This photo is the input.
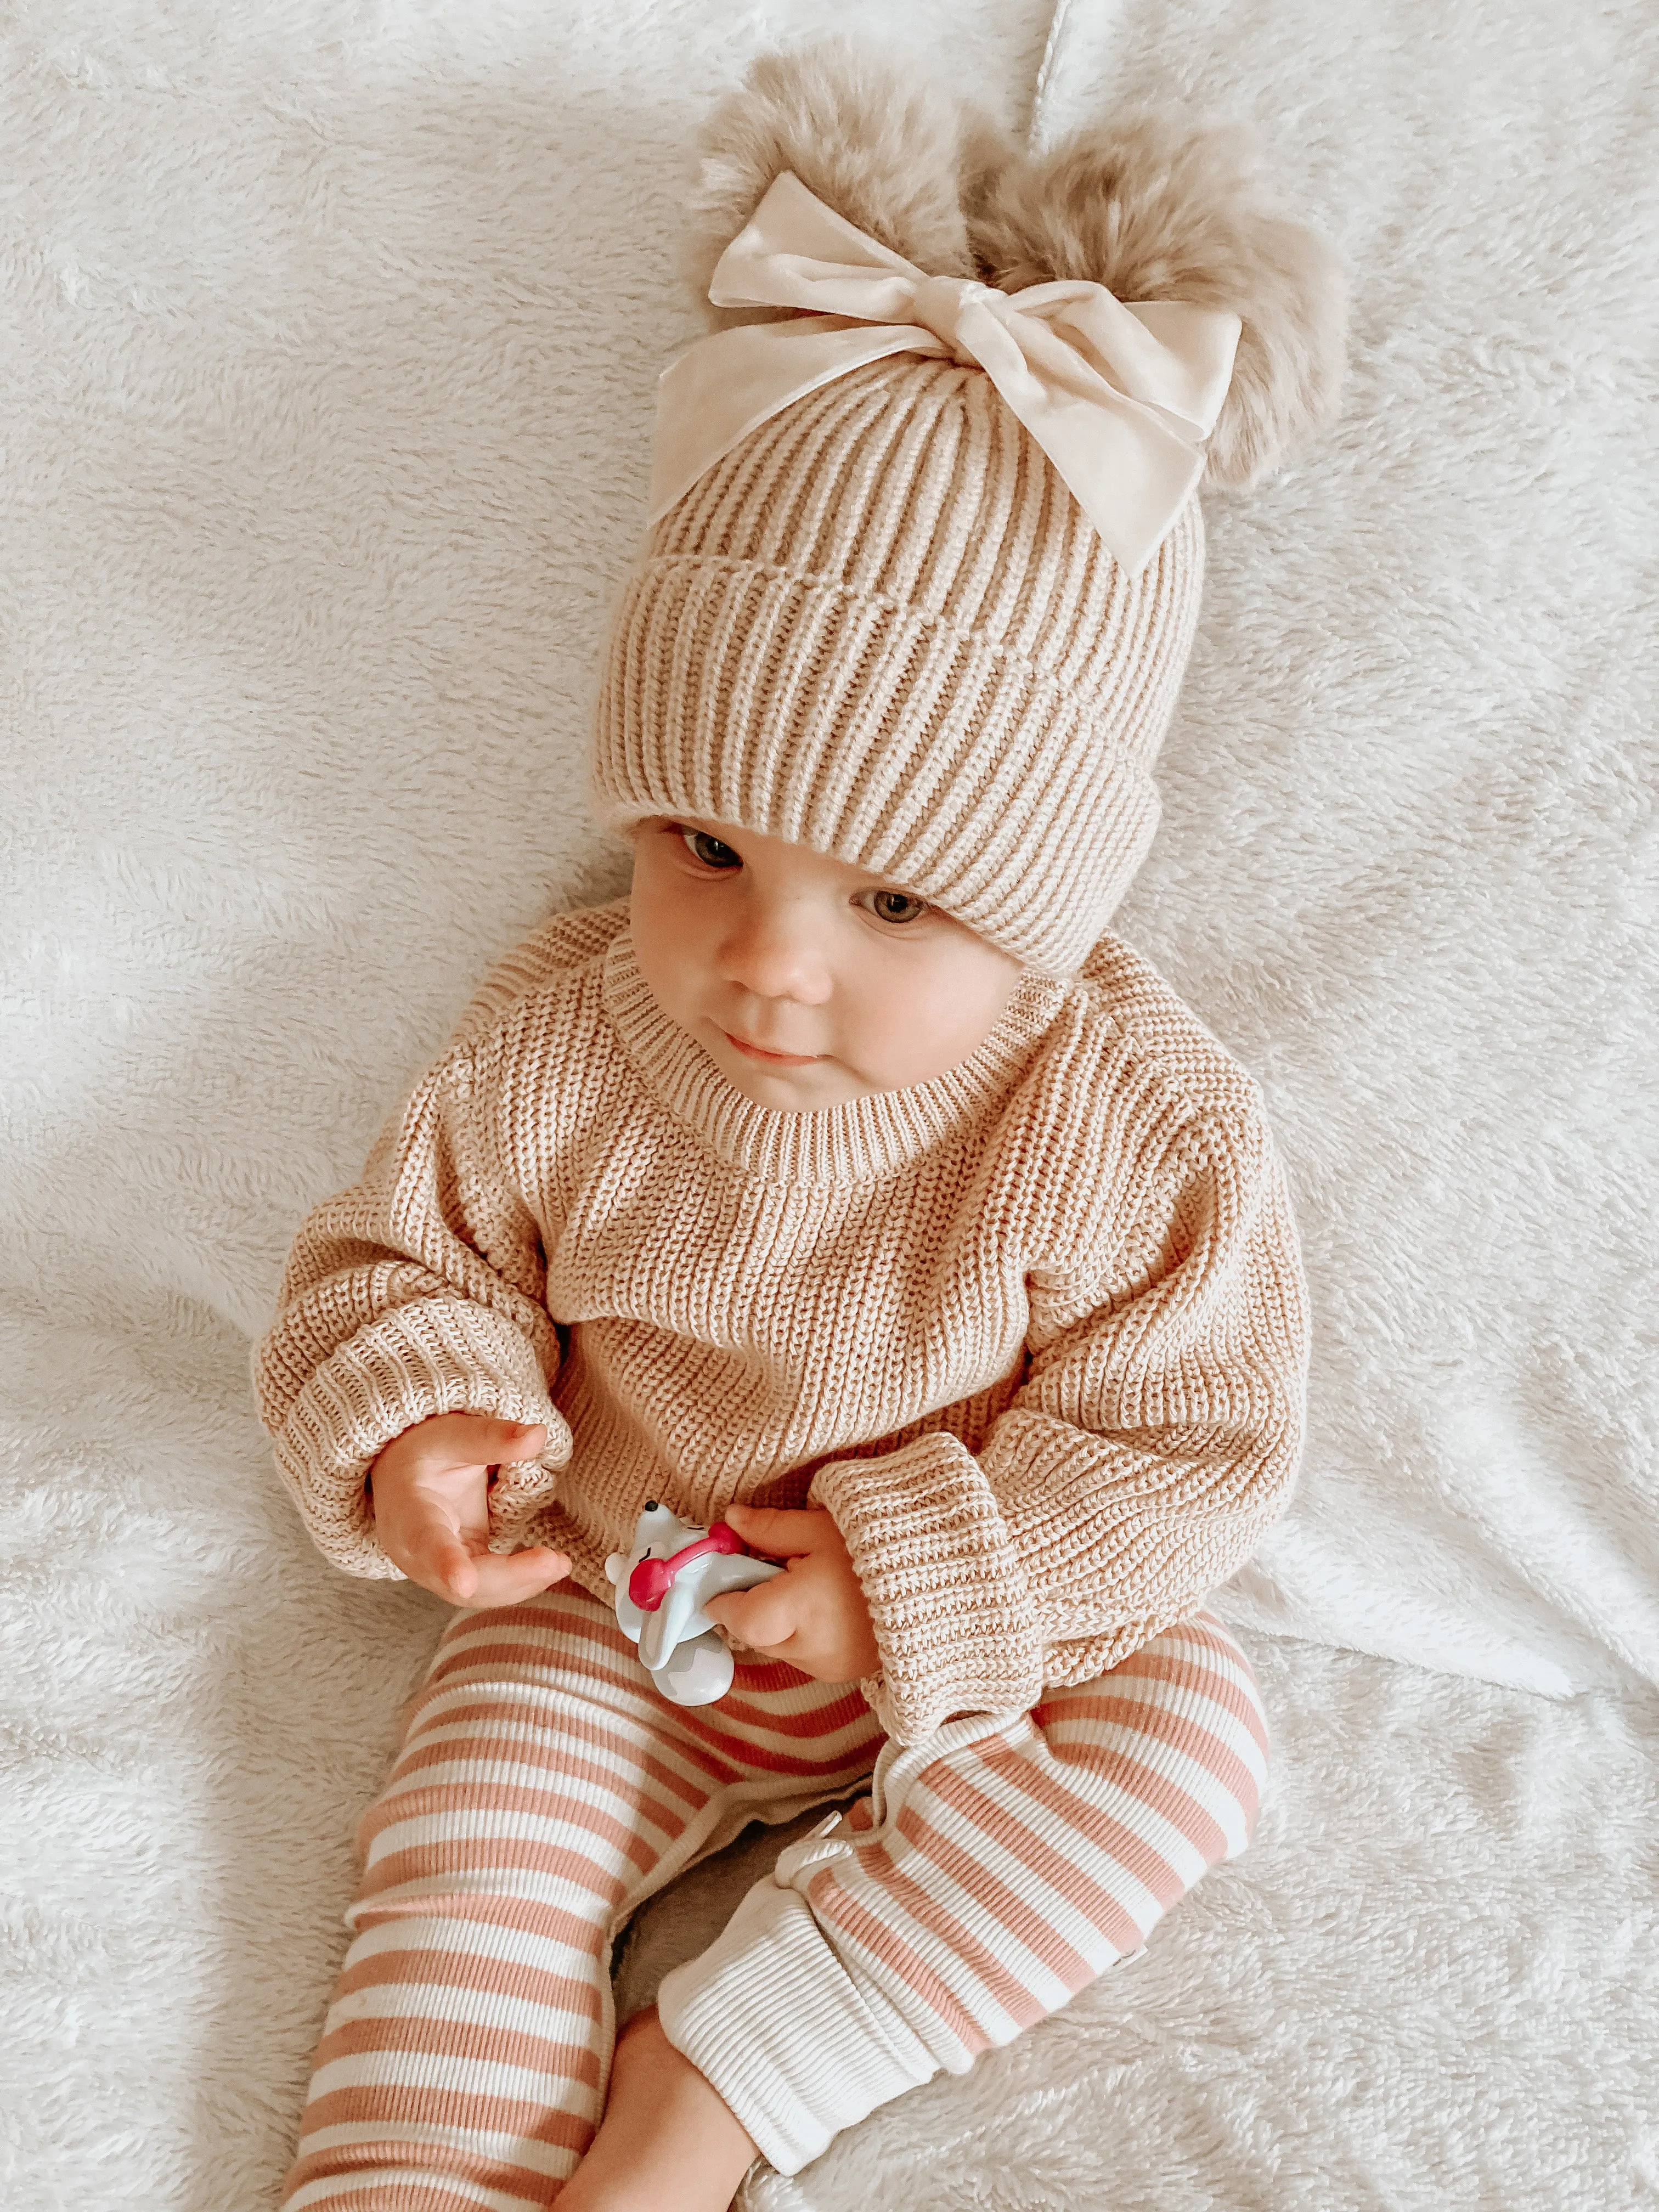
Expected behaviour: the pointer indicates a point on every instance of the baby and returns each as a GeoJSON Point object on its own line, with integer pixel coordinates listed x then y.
{"type": "Point", "coordinates": [849, 1182]}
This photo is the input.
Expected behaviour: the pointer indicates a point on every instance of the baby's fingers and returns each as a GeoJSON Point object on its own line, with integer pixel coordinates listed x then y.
{"type": "Point", "coordinates": [444, 1565]}
{"type": "Point", "coordinates": [783, 1532]}
{"type": "Point", "coordinates": [763, 1618]}
{"type": "Point", "coordinates": [456, 1442]}
{"type": "Point", "coordinates": [509, 1578]}
{"type": "Point", "coordinates": [433, 1554]}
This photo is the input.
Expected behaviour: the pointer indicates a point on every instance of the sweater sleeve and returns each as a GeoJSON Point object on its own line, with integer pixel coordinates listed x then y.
{"type": "Point", "coordinates": [1154, 1439]}
{"type": "Point", "coordinates": [417, 1291]}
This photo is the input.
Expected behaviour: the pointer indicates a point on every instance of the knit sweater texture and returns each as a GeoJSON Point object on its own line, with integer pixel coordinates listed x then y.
{"type": "Point", "coordinates": [1035, 1331]}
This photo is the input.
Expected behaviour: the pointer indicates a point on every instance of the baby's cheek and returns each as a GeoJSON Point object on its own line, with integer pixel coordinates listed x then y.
{"type": "Point", "coordinates": [917, 1031]}
{"type": "Point", "coordinates": [897, 1033]}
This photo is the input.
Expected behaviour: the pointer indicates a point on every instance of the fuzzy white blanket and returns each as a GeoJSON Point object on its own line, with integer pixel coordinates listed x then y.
{"type": "Point", "coordinates": [330, 336]}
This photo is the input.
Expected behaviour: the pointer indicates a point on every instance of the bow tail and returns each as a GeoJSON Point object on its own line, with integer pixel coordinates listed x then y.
{"type": "Point", "coordinates": [1128, 470]}
{"type": "Point", "coordinates": [1125, 462]}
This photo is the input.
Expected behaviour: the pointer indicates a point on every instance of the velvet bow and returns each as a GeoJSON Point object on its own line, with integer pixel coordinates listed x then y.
{"type": "Point", "coordinates": [1119, 398]}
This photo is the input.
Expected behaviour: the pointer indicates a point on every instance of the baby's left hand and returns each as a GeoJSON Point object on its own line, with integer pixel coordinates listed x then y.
{"type": "Point", "coordinates": [814, 1614]}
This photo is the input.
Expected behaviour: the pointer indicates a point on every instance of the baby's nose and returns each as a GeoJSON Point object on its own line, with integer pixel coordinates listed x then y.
{"type": "Point", "coordinates": [775, 961]}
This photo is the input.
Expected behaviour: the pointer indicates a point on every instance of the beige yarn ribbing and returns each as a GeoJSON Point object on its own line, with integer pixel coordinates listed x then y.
{"type": "Point", "coordinates": [883, 628]}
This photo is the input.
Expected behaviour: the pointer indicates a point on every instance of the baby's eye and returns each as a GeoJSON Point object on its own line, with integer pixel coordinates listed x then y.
{"type": "Point", "coordinates": [896, 906]}
{"type": "Point", "coordinates": [709, 850]}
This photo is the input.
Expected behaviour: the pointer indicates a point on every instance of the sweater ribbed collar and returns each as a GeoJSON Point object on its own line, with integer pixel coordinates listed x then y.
{"type": "Point", "coordinates": [862, 1141]}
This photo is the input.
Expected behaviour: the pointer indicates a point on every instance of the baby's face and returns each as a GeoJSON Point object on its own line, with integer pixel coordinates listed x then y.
{"type": "Point", "coordinates": [807, 983]}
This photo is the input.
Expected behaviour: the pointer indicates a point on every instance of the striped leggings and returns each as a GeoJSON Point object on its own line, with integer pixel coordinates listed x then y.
{"type": "Point", "coordinates": [544, 1790]}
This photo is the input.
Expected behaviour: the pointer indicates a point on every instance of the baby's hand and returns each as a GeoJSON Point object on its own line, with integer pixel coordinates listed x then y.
{"type": "Point", "coordinates": [430, 1492]}
{"type": "Point", "coordinates": [814, 1614]}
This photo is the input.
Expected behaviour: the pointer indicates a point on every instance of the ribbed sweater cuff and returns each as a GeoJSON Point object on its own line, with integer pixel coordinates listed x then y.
{"type": "Point", "coordinates": [445, 1356]}
{"type": "Point", "coordinates": [948, 1600]}
{"type": "Point", "coordinates": [770, 2015]}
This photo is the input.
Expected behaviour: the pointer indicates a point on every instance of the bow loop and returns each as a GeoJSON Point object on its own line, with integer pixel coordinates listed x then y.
{"type": "Point", "coordinates": [1120, 396]}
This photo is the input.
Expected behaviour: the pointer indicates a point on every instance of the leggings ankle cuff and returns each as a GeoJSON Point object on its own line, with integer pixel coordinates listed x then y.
{"type": "Point", "coordinates": [773, 2019]}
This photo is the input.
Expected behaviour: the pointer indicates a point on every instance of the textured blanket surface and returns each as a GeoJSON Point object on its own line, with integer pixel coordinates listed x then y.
{"type": "Point", "coordinates": [330, 336]}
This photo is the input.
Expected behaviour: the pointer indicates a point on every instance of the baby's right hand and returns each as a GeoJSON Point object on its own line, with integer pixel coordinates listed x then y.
{"type": "Point", "coordinates": [430, 1492]}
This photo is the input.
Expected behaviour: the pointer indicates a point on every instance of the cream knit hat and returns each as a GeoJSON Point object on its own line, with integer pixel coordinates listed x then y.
{"type": "Point", "coordinates": [880, 625]}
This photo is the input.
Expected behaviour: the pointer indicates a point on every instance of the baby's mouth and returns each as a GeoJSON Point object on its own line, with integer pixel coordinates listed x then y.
{"type": "Point", "coordinates": [770, 1058]}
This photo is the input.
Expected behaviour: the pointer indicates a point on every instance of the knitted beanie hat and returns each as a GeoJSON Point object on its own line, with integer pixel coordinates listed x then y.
{"type": "Point", "coordinates": [880, 623]}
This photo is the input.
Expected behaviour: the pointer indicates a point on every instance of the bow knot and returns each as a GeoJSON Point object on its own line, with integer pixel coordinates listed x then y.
{"type": "Point", "coordinates": [1120, 396]}
{"type": "Point", "coordinates": [939, 303]}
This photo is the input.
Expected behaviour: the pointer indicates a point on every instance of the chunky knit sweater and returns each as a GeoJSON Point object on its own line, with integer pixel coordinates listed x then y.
{"type": "Point", "coordinates": [1035, 1331]}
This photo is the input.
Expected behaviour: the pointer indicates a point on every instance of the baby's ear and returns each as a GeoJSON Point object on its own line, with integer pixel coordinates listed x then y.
{"type": "Point", "coordinates": [867, 129]}
{"type": "Point", "coordinates": [1157, 208]}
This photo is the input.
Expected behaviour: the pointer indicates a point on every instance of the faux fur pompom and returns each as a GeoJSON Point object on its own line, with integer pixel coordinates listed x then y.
{"type": "Point", "coordinates": [1156, 209]}
{"type": "Point", "coordinates": [1152, 207]}
{"type": "Point", "coordinates": [866, 128]}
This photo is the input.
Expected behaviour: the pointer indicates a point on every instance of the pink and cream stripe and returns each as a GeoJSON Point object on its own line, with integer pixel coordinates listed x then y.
{"type": "Point", "coordinates": [544, 1790]}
